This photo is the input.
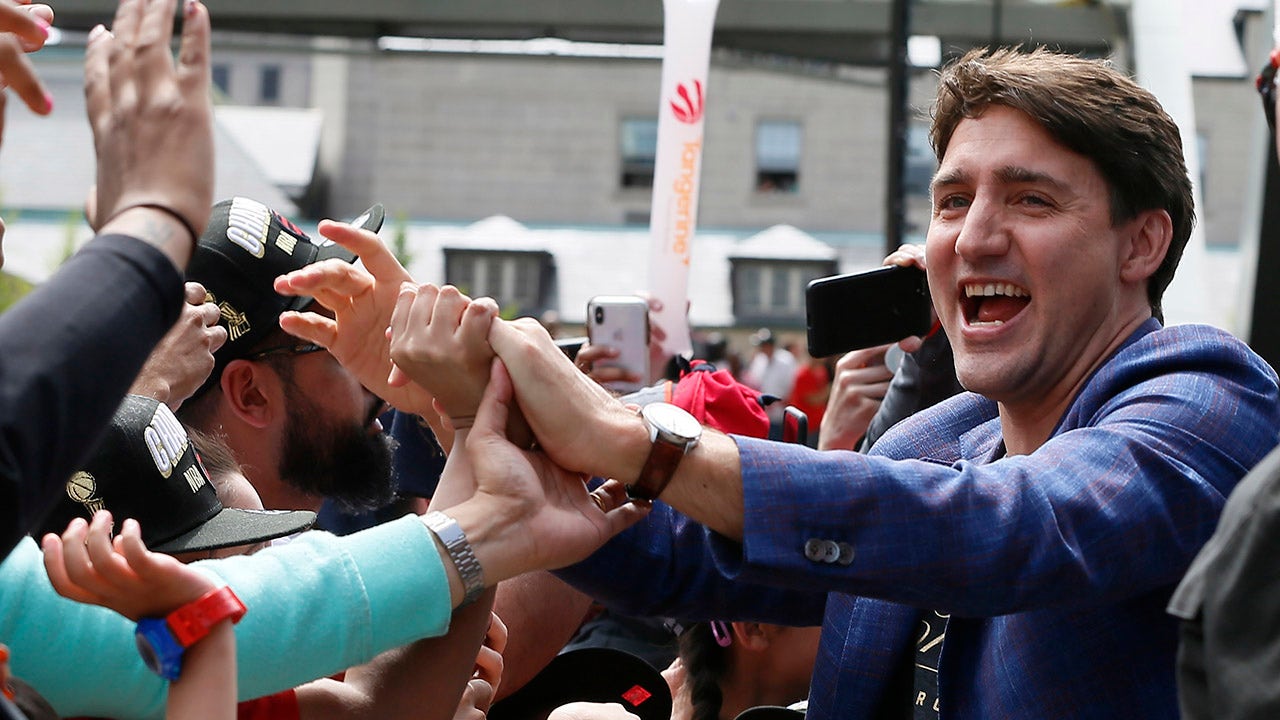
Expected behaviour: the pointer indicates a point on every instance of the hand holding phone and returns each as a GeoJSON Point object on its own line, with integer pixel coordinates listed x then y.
{"type": "Point", "coordinates": [861, 310]}
{"type": "Point", "coordinates": [621, 322]}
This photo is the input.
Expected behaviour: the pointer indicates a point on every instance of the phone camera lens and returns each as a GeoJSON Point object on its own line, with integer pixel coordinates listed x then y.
{"type": "Point", "coordinates": [599, 315]}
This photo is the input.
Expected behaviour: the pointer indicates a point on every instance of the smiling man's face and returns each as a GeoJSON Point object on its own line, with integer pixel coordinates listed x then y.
{"type": "Point", "coordinates": [1024, 262]}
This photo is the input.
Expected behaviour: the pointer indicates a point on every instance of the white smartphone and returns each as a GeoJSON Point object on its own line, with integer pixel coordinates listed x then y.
{"type": "Point", "coordinates": [621, 322]}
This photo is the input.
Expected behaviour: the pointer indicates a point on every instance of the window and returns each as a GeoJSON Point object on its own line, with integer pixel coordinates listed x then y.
{"type": "Point", "coordinates": [639, 141]}
{"type": "Point", "coordinates": [519, 281]}
{"type": "Point", "coordinates": [777, 156]}
{"type": "Point", "coordinates": [222, 78]}
{"type": "Point", "coordinates": [269, 88]}
{"type": "Point", "coordinates": [773, 290]}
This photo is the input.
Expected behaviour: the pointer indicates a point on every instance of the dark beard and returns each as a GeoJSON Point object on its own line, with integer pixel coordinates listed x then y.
{"type": "Point", "coordinates": [341, 462]}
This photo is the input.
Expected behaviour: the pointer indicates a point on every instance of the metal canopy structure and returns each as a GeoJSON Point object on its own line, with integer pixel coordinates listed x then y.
{"type": "Point", "coordinates": [846, 31]}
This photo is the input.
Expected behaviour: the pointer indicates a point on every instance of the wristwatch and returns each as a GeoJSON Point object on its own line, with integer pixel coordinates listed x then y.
{"type": "Point", "coordinates": [162, 641]}
{"type": "Point", "coordinates": [450, 534]}
{"type": "Point", "coordinates": [673, 432]}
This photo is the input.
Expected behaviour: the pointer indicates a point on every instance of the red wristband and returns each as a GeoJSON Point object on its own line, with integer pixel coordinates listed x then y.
{"type": "Point", "coordinates": [193, 621]}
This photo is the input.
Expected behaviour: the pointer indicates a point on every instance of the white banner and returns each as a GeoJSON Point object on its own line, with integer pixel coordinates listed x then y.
{"type": "Point", "coordinates": [686, 41]}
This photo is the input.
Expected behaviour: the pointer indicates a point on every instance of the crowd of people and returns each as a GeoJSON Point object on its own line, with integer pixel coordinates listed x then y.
{"type": "Point", "coordinates": [991, 522]}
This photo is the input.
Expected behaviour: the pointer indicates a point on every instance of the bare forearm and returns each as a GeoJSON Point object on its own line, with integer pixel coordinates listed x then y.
{"type": "Point", "coordinates": [708, 485]}
{"type": "Point", "coordinates": [541, 612]}
{"type": "Point", "coordinates": [207, 688]}
{"type": "Point", "coordinates": [420, 680]}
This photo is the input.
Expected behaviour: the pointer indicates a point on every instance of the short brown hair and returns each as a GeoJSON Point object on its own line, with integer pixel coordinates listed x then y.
{"type": "Point", "coordinates": [1093, 110]}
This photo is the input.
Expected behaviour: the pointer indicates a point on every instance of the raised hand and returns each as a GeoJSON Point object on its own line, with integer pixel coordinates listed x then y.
{"type": "Point", "coordinates": [440, 340]}
{"type": "Point", "coordinates": [23, 29]}
{"type": "Point", "coordinates": [86, 565]}
{"type": "Point", "coordinates": [860, 383]}
{"type": "Point", "coordinates": [361, 300]}
{"type": "Point", "coordinates": [152, 119]}
{"type": "Point", "coordinates": [182, 361]}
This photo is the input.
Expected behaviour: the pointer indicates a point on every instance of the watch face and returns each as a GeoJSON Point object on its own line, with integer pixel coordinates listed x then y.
{"type": "Point", "coordinates": [673, 420]}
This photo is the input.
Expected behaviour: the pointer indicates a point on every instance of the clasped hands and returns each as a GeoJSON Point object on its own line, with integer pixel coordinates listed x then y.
{"type": "Point", "coordinates": [431, 352]}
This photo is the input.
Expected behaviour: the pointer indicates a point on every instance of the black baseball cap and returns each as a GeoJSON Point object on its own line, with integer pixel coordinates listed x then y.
{"type": "Point", "coordinates": [146, 468]}
{"type": "Point", "coordinates": [244, 248]}
{"type": "Point", "coordinates": [593, 674]}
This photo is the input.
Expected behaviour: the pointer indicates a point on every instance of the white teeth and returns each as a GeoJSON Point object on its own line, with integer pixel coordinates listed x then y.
{"type": "Point", "coordinates": [989, 323]}
{"type": "Point", "coordinates": [993, 289]}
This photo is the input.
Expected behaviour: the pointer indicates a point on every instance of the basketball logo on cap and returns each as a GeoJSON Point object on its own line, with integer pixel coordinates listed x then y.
{"type": "Point", "coordinates": [83, 488]}
{"type": "Point", "coordinates": [237, 322]}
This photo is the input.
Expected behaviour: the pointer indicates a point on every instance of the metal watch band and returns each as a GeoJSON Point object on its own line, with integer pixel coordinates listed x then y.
{"type": "Point", "coordinates": [450, 534]}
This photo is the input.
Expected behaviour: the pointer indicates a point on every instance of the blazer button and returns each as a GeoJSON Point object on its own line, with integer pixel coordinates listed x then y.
{"type": "Point", "coordinates": [815, 549]}
{"type": "Point", "coordinates": [846, 554]}
{"type": "Point", "coordinates": [831, 552]}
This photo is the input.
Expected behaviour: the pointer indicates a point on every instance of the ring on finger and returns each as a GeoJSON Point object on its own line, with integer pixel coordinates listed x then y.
{"type": "Point", "coordinates": [598, 500]}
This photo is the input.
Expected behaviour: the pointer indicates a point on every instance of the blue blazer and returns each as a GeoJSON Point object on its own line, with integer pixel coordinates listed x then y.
{"type": "Point", "coordinates": [1055, 566]}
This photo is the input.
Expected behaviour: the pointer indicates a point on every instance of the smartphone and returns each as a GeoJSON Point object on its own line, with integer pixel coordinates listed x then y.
{"type": "Point", "coordinates": [621, 322]}
{"type": "Point", "coordinates": [861, 310]}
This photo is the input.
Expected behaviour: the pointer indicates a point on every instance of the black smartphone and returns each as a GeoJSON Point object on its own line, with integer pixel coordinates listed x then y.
{"type": "Point", "coordinates": [860, 310]}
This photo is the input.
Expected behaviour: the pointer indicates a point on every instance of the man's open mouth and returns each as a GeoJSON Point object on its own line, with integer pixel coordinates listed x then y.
{"type": "Point", "coordinates": [989, 304]}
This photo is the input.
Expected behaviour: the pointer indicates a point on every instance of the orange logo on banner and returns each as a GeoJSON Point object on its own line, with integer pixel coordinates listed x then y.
{"type": "Point", "coordinates": [691, 110]}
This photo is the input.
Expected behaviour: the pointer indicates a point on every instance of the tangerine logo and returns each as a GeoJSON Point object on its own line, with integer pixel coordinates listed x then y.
{"type": "Point", "coordinates": [688, 109]}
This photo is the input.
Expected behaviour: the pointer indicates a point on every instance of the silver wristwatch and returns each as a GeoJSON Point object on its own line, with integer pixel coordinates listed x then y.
{"type": "Point", "coordinates": [446, 530]}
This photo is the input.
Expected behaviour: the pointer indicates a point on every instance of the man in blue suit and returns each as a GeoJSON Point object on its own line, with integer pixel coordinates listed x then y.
{"type": "Point", "coordinates": [1009, 552]}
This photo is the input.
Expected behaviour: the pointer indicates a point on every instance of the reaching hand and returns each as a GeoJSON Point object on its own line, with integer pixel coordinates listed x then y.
{"type": "Point", "coordinates": [361, 300]}
{"type": "Point", "coordinates": [527, 513]}
{"type": "Point", "coordinates": [574, 419]}
{"type": "Point", "coordinates": [857, 390]}
{"type": "Point", "coordinates": [440, 340]}
{"type": "Point", "coordinates": [182, 361]}
{"type": "Point", "coordinates": [152, 120]}
{"type": "Point", "coordinates": [86, 565]}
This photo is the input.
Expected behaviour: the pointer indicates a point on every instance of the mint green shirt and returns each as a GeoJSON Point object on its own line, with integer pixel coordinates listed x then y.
{"type": "Point", "coordinates": [316, 606]}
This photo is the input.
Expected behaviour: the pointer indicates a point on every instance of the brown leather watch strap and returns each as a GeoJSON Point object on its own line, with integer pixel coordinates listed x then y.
{"type": "Point", "coordinates": [657, 472]}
